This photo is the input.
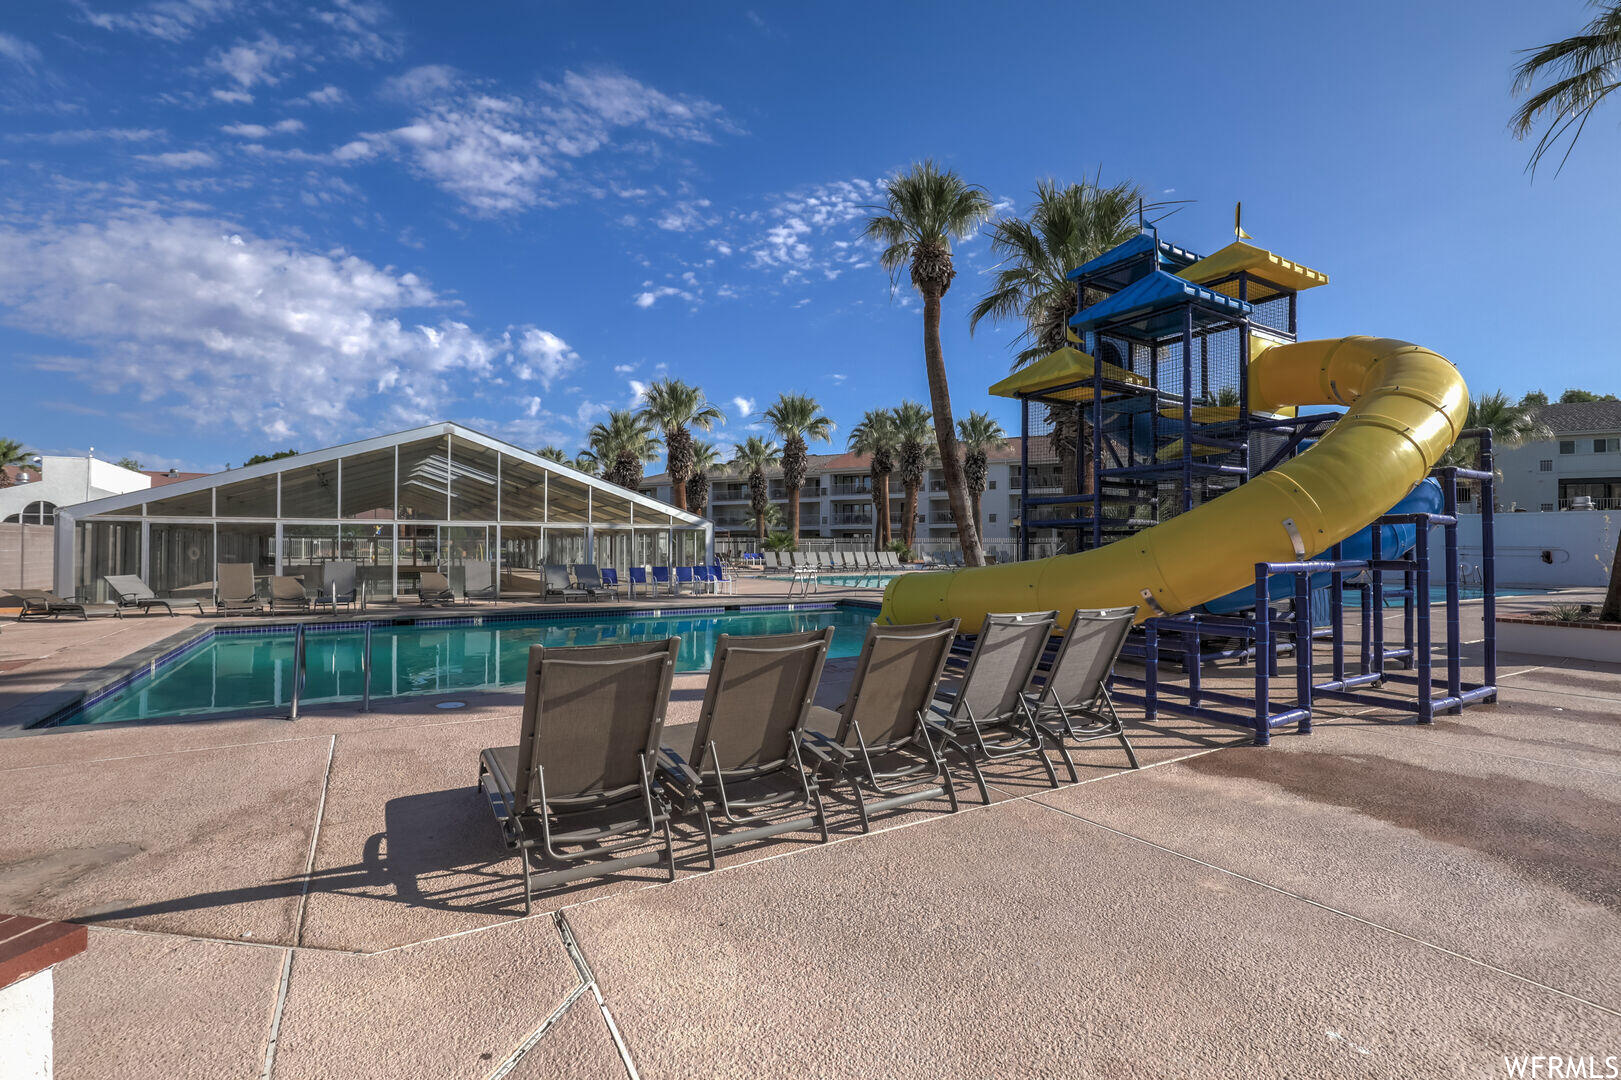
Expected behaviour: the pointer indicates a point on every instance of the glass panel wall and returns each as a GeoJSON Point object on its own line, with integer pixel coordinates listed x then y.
{"type": "Point", "coordinates": [689, 547]}
{"type": "Point", "coordinates": [310, 492]}
{"type": "Point", "coordinates": [566, 500]}
{"type": "Point", "coordinates": [254, 498]}
{"type": "Point", "coordinates": [418, 551]}
{"type": "Point", "coordinates": [612, 548]}
{"type": "Point", "coordinates": [304, 548]}
{"type": "Point", "coordinates": [522, 555]}
{"type": "Point", "coordinates": [181, 560]}
{"type": "Point", "coordinates": [199, 504]}
{"type": "Point", "coordinates": [464, 551]}
{"type": "Point", "coordinates": [424, 480]}
{"type": "Point", "coordinates": [371, 549]}
{"type": "Point", "coordinates": [368, 485]}
{"type": "Point", "coordinates": [472, 481]}
{"type": "Point", "coordinates": [565, 546]}
{"type": "Point", "coordinates": [609, 509]}
{"type": "Point", "coordinates": [248, 542]}
{"type": "Point", "coordinates": [652, 548]}
{"type": "Point", "coordinates": [523, 490]}
{"type": "Point", "coordinates": [105, 547]}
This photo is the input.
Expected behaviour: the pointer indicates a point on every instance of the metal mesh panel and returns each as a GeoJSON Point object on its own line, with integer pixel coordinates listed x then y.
{"type": "Point", "coordinates": [1274, 313]}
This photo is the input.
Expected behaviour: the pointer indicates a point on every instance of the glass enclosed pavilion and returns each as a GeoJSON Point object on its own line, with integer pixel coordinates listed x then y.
{"type": "Point", "coordinates": [439, 497]}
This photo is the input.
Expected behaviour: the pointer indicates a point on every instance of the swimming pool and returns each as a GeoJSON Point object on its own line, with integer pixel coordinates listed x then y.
{"type": "Point", "coordinates": [232, 670]}
{"type": "Point", "coordinates": [875, 580]}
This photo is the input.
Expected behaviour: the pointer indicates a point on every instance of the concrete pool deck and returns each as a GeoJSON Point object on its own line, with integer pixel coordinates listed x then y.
{"type": "Point", "coordinates": [330, 899]}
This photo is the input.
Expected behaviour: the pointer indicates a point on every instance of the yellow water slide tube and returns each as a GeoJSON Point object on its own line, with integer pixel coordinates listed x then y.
{"type": "Point", "coordinates": [1405, 406]}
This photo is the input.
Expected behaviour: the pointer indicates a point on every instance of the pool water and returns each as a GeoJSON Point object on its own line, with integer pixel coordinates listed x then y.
{"type": "Point", "coordinates": [1438, 594]}
{"type": "Point", "coordinates": [231, 672]}
{"type": "Point", "coordinates": [875, 580]}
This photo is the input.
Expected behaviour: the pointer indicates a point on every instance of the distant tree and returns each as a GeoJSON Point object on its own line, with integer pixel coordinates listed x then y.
{"type": "Point", "coordinates": [913, 453]}
{"type": "Point", "coordinates": [1584, 70]}
{"type": "Point", "coordinates": [705, 458]}
{"type": "Point", "coordinates": [754, 456]}
{"type": "Point", "coordinates": [260, 459]}
{"type": "Point", "coordinates": [796, 418]}
{"type": "Point", "coordinates": [586, 462]}
{"type": "Point", "coordinates": [676, 408]}
{"type": "Point", "coordinates": [1578, 397]}
{"type": "Point", "coordinates": [1533, 398]}
{"type": "Point", "coordinates": [875, 437]}
{"type": "Point", "coordinates": [623, 444]}
{"type": "Point", "coordinates": [13, 452]}
{"type": "Point", "coordinates": [127, 462]}
{"type": "Point", "coordinates": [553, 453]}
{"type": "Point", "coordinates": [979, 433]}
{"type": "Point", "coordinates": [925, 209]}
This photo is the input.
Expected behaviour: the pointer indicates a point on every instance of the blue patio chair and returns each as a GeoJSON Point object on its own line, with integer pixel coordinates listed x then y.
{"type": "Point", "coordinates": [706, 577]}
{"type": "Point", "coordinates": [638, 576]}
{"type": "Point", "coordinates": [661, 577]}
{"type": "Point", "coordinates": [722, 580]}
{"type": "Point", "coordinates": [685, 578]}
{"type": "Point", "coordinates": [610, 578]}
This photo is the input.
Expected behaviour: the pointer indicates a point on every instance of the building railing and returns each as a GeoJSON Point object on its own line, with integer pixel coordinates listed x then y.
{"type": "Point", "coordinates": [1591, 502]}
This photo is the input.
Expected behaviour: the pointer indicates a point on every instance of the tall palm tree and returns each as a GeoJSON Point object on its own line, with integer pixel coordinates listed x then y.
{"type": "Point", "coordinates": [924, 210]}
{"type": "Point", "coordinates": [1583, 71]}
{"type": "Point", "coordinates": [978, 433]}
{"type": "Point", "coordinates": [585, 461]}
{"type": "Point", "coordinates": [675, 408]}
{"type": "Point", "coordinates": [623, 443]}
{"type": "Point", "coordinates": [875, 437]}
{"type": "Point", "coordinates": [912, 453]}
{"type": "Point", "coordinates": [704, 458]}
{"type": "Point", "coordinates": [554, 453]}
{"type": "Point", "coordinates": [13, 452]}
{"type": "Point", "coordinates": [1511, 424]}
{"type": "Point", "coordinates": [796, 418]}
{"type": "Point", "coordinates": [754, 456]}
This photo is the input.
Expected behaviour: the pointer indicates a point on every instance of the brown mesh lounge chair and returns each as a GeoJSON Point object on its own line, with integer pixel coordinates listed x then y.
{"type": "Point", "coordinates": [287, 594]}
{"type": "Point", "coordinates": [988, 717]}
{"type": "Point", "coordinates": [880, 743]}
{"type": "Point", "coordinates": [44, 604]}
{"type": "Point", "coordinates": [558, 584]}
{"type": "Point", "coordinates": [588, 579]}
{"type": "Point", "coordinates": [337, 584]}
{"type": "Point", "coordinates": [129, 591]}
{"type": "Point", "coordinates": [1073, 703]}
{"type": "Point", "coordinates": [747, 760]}
{"type": "Point", "coordinates": [235, 590]}
{"type": "Point", "coordinates": [434, 588]}
{"type": "Point", "coordinates": [578, 790]}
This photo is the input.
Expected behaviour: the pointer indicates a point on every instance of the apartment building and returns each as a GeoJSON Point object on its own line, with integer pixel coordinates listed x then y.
{"type": "Point", "coordinates": [1579, 467]}
{"type": "Point", "coordinates": [836, 501]}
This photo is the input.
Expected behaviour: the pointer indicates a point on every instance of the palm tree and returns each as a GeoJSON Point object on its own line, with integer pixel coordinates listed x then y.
{"type": "Point", "coordinates": [704, 458]}
{"type": "Point", "coordinates": [554, 453]}
{"type": "Point", "coordinates": [875, 437]}
{"type": "Point", "coordinates": [754, 456]}
{"type": "Point", "coordinates": [912, 452]}
{"type": "Point", "coordinates": [796, 418]}
{"type": "Point", "coordinates": [13, 452]}
{"type": "Point", "coordinates": [585, 461]}
{"type": "Point", "coordinates": [1067, 226]}
{"type": "Point", "coordinates": [979, 433]}
{"type": "Point", "coordinates": [1584, 70]}
{"type": "Point", "coordinates": [1511, 425]}
{"type": "Point", "coordinates": [925, 209]}
{"type": "Point", "coordinates": [623, 443]}
{"type": "Point", "coordinates": [675, 407]}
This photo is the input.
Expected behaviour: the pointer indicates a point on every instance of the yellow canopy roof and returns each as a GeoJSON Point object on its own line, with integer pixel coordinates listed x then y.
{"type": "Point", "coordinates": [1238, 256]}
{"type": "Point", "coordinates": [1059, 369]}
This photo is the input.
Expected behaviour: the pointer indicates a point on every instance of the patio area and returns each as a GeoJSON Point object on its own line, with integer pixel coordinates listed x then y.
{"type": "Point", "coordinates": [330, 899]}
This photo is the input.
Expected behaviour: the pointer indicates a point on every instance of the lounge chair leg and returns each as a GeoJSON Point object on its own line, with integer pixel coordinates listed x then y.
{"type": "Point", "coordinates": [1131, 755]}
{"type": "Point", "coordinates": [821, 812]}
{"type": "Point", "coordinates": [528, 888]}
{"type": "Point", "coordinates": [861, 806]}
{"type": "Point", "coordinates": [951, 789]}
{"type": "Point", "coordinates": [979, 777]}
{"type": "Point", "coordinates": [669, 850]}
{"type": "Point", "coordinates": [709, 836]}
{"type": "Point", "coordinates": [1063, 751]}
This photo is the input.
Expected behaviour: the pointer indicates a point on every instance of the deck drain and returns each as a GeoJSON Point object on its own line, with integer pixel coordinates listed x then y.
{"type": "Point", "coordinates": [451, 705]}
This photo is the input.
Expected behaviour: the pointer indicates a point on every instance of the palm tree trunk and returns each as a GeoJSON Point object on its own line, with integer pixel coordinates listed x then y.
{"type": "Point", "coordinates": [973, 502]}
{"type": "Point", "coordinates": [909, 530]}
{"type": "Point", "coordinates": [793, 517]}
{"type": "Point", "coordinates": [945, 431]}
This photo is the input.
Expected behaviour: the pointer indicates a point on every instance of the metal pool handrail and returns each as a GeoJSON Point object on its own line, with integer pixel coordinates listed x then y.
{"type": "Point", "coordinates": [300, 667]}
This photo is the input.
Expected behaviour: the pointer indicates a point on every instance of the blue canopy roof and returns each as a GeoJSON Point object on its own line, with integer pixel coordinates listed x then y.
{"type": "Point", "coordinates": [1137, 246]}
{"type": "Point", "coordinates": [1156, 291]}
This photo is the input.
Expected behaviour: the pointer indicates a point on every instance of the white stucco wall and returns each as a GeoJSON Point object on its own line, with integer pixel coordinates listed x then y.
{"type": "Point", "coordinates": [1579, 543]}
{"type": "Point", "coordinates": [69, 480]}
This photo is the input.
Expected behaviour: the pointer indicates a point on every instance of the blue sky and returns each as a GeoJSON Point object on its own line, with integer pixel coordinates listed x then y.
{"type": "Point", "coordinates": [228, 227]}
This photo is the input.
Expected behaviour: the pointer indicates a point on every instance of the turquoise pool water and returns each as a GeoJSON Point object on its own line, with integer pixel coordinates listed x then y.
{"type": "Point", "coordinates": [230, 672]}
{"type": "Point", "coordinates": [875, 580]}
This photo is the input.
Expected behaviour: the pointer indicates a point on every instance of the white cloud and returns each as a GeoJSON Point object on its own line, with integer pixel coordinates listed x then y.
{"type": "Point", "coordinates": [743, 405]}
{"type": "Point", "coordinates": [218, 327]}
{"type": "Point", "coordinates": [624, 369]}
{"type": "Point", "coordinates": [684, 216]}
{"type": "Point", "coordinates": [839, 379]}
{"type": "Point", "coordinates": [648, 297]}
{"type": "Point", "coordinates": [326, 95]}
{"type": "Point", "coordinates": [638, 392]}
{"type": "Point", "coordinates": [169, 20]}
{"type": "Point", "coordinates": [179, 159]}
{"type": "Point", "coordinates": [260, 131]}
{"type": "Point", "coordinates": [19, 52]}
{"type": "Point", "coordinates": [501, 154]}
{"type": "Point", "coordinates": [232, 97]}
{"type": "Point", "coordinates": [250, 63]}
{"type": "Point", "coordinates": [543, 356]}
{"type": "Point", "coordinates": [85, 135]}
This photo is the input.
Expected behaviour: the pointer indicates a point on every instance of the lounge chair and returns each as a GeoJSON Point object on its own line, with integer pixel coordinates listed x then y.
{"type": "Point", "coordinates": [662, 579]}
{"type": "Point", "coordinates": [588, 579]}
{"type": "Point", "coordinates": [724, 581]}
{"type": "Point", "coordinates": [610, 580]}
{"type": "Point", "coordinates": [880, 741]}
{"type": "Point", "coordinates": [578, 788]}
{"type": "Point", "coordinates": [337, 585]}
{"type": "Point", "coordinates": [1073, 703]}
{"type": "Point", "coordinates": [988, 716]}
{"type": "Point", "coordinates": [748, 756]}
{"type": "Point", "coordinates": [235, 590]}
{"type": "Point", "coordinates": [434, 588]}
{"type": "Point", "coordinates": [478, 581]}
{"type": "Point", "coordinates": [638, 576]}
{"type": "Point", "coordinates": [44, 604]}
{"type": "Point", "coordinates": [685, 578]}
{"type": "Point", "coordinates": [129, 591]}
{"type": "Point", "coordinates": [824, 560]}
{"type": "Point", "coordinates": [888, 560]}
{"type": "Point", "coordinates": [559, 585]}
{"type": "Point", "coordinates": [287, 594]}
{"type": "Point", "coordinates": [705, 576]}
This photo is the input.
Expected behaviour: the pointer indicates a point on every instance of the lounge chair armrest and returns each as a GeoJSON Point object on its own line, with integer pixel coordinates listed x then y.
{"type": "Point", "coordinates": [823, 748]}
{"type": "Point", "coordinates": [675, 766]}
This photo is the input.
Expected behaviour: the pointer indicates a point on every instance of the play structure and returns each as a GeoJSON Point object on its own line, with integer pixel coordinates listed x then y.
{"type": "Point", "coordinates": [1165, 451]}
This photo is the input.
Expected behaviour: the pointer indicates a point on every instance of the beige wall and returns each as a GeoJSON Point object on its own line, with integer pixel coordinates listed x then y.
{"type": "Point", "coordinates": [26, 557]}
